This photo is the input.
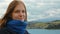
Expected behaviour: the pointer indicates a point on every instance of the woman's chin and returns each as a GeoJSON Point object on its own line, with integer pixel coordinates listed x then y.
{"type": "Point", "coordinates": [19, 19]}
{"type": "Point", "coordinates": [22, 19]}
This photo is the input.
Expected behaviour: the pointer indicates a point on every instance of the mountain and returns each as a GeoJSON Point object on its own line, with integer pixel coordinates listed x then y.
{"type": "Point", "coordinates": [44, 25]}
{"type": "Point", "coordinates": [45, 20]}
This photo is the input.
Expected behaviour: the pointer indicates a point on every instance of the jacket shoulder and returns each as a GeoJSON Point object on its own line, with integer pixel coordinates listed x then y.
{"type": "Point", "coordinates": [5, 31]}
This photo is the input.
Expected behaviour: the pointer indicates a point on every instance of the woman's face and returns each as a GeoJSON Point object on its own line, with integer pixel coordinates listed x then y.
{"type": "Point", "coordinates": [19, 13]}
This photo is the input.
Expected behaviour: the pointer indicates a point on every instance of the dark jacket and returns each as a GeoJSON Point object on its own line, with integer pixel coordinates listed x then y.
{"type": "Point", "coordinates": [5, 31]}
{"type": "Point", "coordinates": [14, 27]}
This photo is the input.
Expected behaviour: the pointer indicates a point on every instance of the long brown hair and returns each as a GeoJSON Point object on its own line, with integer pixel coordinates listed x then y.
{"type": "Point", "coordinates": [9, 11]}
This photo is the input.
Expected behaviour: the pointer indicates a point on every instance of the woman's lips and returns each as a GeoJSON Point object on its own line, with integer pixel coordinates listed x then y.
{"type": "Point", "coordinates": [21, 18]}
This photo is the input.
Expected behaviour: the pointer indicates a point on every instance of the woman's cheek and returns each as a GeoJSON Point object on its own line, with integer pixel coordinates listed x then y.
{"type": "Point", "coordinates": [15, 16]}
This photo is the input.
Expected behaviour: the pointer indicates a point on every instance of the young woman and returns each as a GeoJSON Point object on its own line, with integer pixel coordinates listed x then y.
{"type": "Point", "coordinates": [15, 19]}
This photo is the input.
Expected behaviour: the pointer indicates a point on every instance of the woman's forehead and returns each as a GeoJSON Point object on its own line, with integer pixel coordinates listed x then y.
{"type": "Point", "coordinates": [19, 7]}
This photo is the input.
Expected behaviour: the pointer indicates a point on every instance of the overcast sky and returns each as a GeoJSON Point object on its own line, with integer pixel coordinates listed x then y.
{"type": "Point", "coordinates": [36, 9]}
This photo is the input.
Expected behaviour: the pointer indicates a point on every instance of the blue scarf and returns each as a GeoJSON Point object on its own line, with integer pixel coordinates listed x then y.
{"type": "Point", "coordinates": [17, 26]}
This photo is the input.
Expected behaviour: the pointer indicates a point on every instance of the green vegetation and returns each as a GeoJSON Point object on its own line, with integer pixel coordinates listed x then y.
{"type": "Point", "coordinates": [48, 25]}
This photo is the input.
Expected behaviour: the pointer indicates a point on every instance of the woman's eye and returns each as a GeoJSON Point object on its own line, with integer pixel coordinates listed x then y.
{"type": "Point", "coordinates": [23, 11]}
{"type": "Point", "coordinates": [17, 11]}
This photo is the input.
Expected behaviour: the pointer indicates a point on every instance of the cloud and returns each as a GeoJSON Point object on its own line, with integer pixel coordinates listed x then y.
{"type": "Point", "coordinates": [53, 13]}
{"type": "Point", "coordinates": [3, 5]}
{"type": "Point", "coordinates": [31, 17]}
{"type": "Point", "coordinates": [2, 12]}
{"type": "Point", "coordinates": [2, 0]}
{"type": "Point", "coordinates": [8, 0]}
{"type": "Point", "coordinates": [46, 14]}
{"type": "Point", "coordinates": [40, 4]}
{"type": "Point", "coordinates": [35, 16]}
{"type": "Point", "coordinates": [29, 1]}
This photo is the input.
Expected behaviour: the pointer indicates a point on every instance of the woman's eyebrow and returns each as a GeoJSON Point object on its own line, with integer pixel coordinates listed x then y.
{"type": "Point", "coordinates": [19, 10]}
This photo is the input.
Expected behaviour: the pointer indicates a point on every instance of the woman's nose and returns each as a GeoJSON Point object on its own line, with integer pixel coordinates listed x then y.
{"type": "Point", "coordinates": [20, 13]}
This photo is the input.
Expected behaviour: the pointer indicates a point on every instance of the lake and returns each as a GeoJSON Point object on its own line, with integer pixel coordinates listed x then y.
{"type": "Point", "coordinates": [43, 31]}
